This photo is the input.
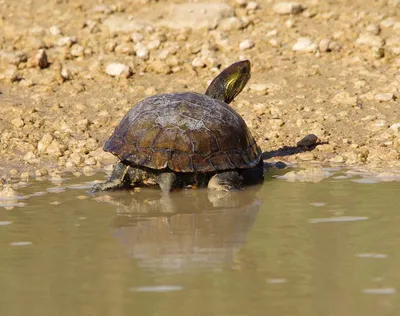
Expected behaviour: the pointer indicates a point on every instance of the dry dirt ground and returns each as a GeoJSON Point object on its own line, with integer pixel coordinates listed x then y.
{"type": "Point", "coordinates": [69, 71]}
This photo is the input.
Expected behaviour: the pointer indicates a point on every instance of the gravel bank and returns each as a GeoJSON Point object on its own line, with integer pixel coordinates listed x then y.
{"type": "Point", "coordinates": [329, 69]}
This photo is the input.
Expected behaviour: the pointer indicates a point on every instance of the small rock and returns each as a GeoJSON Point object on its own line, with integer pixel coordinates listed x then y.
{"type": "Point", "coordinates": [252, 5]}
{"type": "Point", "coordinates": [308, 141]}
{"type": "Point", "coordinates": [344, 98]}
{"type": "Point", "coordinates": [55, 30]}
{"type": "Point", "coordinates": [66, 41]}
{"type": "Point", "coordinates": [11, 74]}
{"type": "Point", "coordinates": [77, 50]}
{"type": "Point", "coordinates": [29, 156]}
{"type": "Point", "coordinates": [141, 51]}
{"type": "Point", "coordinates": [327, 45]}
{"type": "Point", "coordinates": [384, 97]}
{"type": "Point", "coordinates": [65, 73]}
{"type": "Point", "coordinates": [13, 58]}
{"type": "Point", "coordinates": [337, 159]}
{"type": "Point", "coordinates": [160, 67]}
{"type": "Point", "coordinates": [395, 127]}
{"type": "Point", "coordinates": [76, 159]}
{"type": "Point", "coordinates": [117, 69]}
{"type": "Point", "coordinates": [198, 62]}
{"type": "Point", "coordinates": [246, 44]}
{"type": "Point", "coordinates": [373, 29]}
{"type": "Point", "coordinates": [154, 44]}
{"type": "Point", "coordinates": [259, 87]}
{"type": "Point", "coordinates": [45, 142]}
{"type": "Point", "coordinates": [230, 24]}
{"type": "Point", "coordinates": [7, 193]}
{"type": "Point", "coordinates": [136, 37]}
{"type": "Point", "coordinates": [288, 8]}
{"type": "Point", "coordinates": [304, 44]}
{"type": "Point", "coordinates": [369, 39]}
{"type": "Point", "coordinates": [40, 59]}
{"type": "Point", "coordinates": [18, 122]}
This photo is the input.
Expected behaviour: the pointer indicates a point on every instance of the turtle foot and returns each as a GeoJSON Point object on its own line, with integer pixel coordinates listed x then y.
{"type": "Point", "coordinates": [226, 181]}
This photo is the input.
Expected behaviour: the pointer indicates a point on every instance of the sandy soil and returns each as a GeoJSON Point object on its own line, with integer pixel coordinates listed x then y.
{"type": "Point", "coordinates": [329, 68]}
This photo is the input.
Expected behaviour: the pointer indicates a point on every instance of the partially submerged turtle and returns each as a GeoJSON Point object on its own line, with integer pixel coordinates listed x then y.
{"type": "Point", "coordinates": [187, 139]}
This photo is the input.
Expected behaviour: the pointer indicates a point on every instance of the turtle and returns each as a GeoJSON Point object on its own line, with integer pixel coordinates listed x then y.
{"type": "Point", "coordinates": [187, 139]}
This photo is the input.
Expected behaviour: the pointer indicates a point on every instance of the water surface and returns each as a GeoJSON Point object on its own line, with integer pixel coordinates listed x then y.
{"type": "Point", "coordinates": [280, 248]}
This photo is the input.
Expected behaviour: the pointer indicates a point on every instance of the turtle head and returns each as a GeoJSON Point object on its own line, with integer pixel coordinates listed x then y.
{"type": "Point", "coordinates": [230, 82]}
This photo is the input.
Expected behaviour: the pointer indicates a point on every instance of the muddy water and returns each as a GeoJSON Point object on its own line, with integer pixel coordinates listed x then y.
{"type": "Point", "coordinates": [282, 248]}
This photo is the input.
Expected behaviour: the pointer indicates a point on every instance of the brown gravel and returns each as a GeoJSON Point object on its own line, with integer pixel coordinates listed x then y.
{"type": "Point", "coordinates": [70, 70]}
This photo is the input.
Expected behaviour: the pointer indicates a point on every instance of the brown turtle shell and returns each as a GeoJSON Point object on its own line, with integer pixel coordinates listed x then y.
{"type": "Point", "coordinates": [185, 132]}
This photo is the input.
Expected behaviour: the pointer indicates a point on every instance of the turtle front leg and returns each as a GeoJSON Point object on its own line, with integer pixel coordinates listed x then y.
{"type": "Point", "coordinates": [226, 181]}
{"type": "Point", "coordinates": [166, 181]}
{"type": "Point", "coordinates": [116, 181]}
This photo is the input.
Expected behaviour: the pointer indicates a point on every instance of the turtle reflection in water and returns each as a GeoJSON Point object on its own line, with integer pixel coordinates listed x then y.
{"type": "Point", "coordinates": [192, 230]}
{"type": "Point", "coordinates": [187, 139]}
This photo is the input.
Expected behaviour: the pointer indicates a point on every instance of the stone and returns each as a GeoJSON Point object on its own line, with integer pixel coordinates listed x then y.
{"type": "Point", "coordinates": [13, 58]}
{"type": "Point", "coordinates": [384, 97]}
{"type": "Point", "coordinates": [118, 70]}
{"type": "Point", "coordinates": [55, 30]}
{"type": "Point", "coordinates": [230, 24]}
{"type": "Point", "coordinates": [246, 44]}
{"type": "Point", "coordinates": [141, 51]}
{"type": "Point", "coordinates": [288, 8]}
{"type": "Point", "coordinates": [77, 50]}
{"type": "Point", "coordinates": [259, 87]}
{"type": "Point", "coordinates": [304, 44]}
{"type": "Point", "coordinates": [29, 156]}
{"type": "Point", "coordinates": [344, 98]}
{"type": "Point", "coordinates": [369, 39]}
{"type": "Point", "coordinates": [18, 122]}
{"type": "Point", "coordinates": [373, 29]}
{"type": "Point", "coordinates": [308, 141]}
{"type": "Point", "coordinates": [66, 41]}
{"type": "Point", "coordinates": [40, 59]}
{"type": "Point", "coordinates": [44, 142]}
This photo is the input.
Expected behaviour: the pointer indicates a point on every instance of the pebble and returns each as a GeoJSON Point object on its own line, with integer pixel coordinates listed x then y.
{"type": "Point", "coordinates": [373, 29]}
{"type": "Point", "coordinates": [304, 44]}
{"type": "Point", "coordinates": [344, 98]}
{"type": "Point", "coordinates": [246, 44]}
{"type": "Point", "coordinates": [395, 127]}
{"type": "Point", "coordinates": [29, 156]}
{"type": "Point", "coordinates": [39, 59]}
{"type": "Point", "coordinates": [308, 141]}
{"type": "Point", "coordinates": [288, 8]}
{"type": "Point", "coordinates": [55, 30]}
{"type": "Point", "coordinates": [13, 58]}
{"type": "Point", "coordinates": [8, 193]}
{"type": "Point", "coordinates": [141, 51]}
{"type": "Point", "coordinates": [18, 122]}
{"type": "Point", "coordinates": [118, 69]}
{"type": "Point", "coordinates": [66, 41]}
{"type": "Point", "coordinates": [198, 62]}
{"type": "Point", "coordinates": [230, 24]}
{"type": "Point", "coordinates": [369, 39]}
{"type": "Point", "coordinates": [136, 37]}
{"type": "Point", "coordinates": [77, 50]}
{"type": "Point", "coordinates": [259, 87]}
{"type": "Point", "coordinates": [384, 97]}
